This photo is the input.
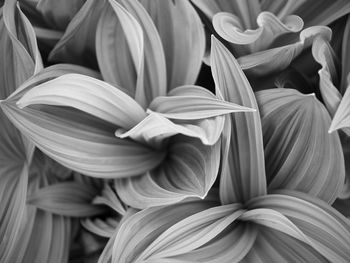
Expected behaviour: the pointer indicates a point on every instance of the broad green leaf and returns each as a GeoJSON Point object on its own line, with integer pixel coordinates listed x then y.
{"type": "Point", "coordinates": [119, 55]}
{"type": "Point", "coordinates": [183, 39]}
{"type": "Point", "coordinates": [89, 95]}
{"type": "Point", "coordinates": [244, 177]}
{"type": "Point", "coordinates": [67, 198]}
{"type": "Point", "coordinates": [137, 232]}
{"type": "Point", "coordinates": [77, 45]}
{"type": "Point", "coordinates": [270, 27]}
{"type": "Point", "coordinates": [300, 154]}
{"type": "Point", "coordinates": [327, 230]}
{"type": "Point", "coordinates": [59, 14]}
{"type": "Point", "coordinates": [193, 102]}
{"type": "Point", "coordinates": [189, 170]}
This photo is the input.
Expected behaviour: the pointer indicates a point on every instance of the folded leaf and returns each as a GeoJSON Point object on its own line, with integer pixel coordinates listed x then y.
{"type": "Point", "coordinates": [58, 15]}
{"type": "Point", "coordinates": [119, 55]}
{"type": "Point", "coordinates": [189, 170]}
{"type": "Point", "coordinates": [299, 152]}
{"type": "Point", "coordinates": [323, 12]}
{"type": "Point", "coordinates": [67, 198]}
{"type": "Point", "coordinates": [183, 39]}
{"type": "Point", "coordinates": [89, 95]}
{"type": "Point", "coordinates": [345, 61]}
{"type": "Point", "coordinates": [270, 27]}
{"type": "Point", "coordinates": [77, 45]}
{"type": "Point", "coordinates": [244, 178]}
{"type": "Point", "coordinates": [13, 190]}
{"type": "Point", "coordinates": [82, 142]}
{"type": "Point", "coordinates": [275, 246]}
{"type": "Point", "coordinates": [192, 102]}
{"type": "Point", "coordinates": [103, 228]}
{"type": "Point", "coordinates": [109, 197]}
{"type": "Point", "coordinates": [325, 56]}
{"type": "Point", "coordinates": [155, 129]}
{"type": "Point", "coordinates": [327, 230]}
{"type": "Point", "coordinates": [137, 232]}
{"type": "Point", "coordinates": [192, 232]}
{"type": "Point", "coordinates": [151, 73]}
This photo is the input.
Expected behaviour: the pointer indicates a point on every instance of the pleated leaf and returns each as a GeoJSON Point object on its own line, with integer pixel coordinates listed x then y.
{"type": "Point", "coordinates": [189, 170]}
{"type": "Point", "coordinates": [280, 57]}
{"type": "Point", "coordinates": [193, 102]}
{"type": "Point", "coordinates": [270, 27]}
{"type": "Point", "coordinates": [89, 95]}
{"type": "Point", "coordinates": [275, 246]}
{"type": "Point", "coordinates": [192, 232]}
{"type": "Point", "coordinates": [67, 198]}
{"type": "Point", "coordinates": [183, 39]}
{"type": "Point", "coordinates": [58, 15]}
{"type": "Point", "coordinates": [119, 55]}
{"type": "Point", "coordinates": [323, 12]}
{"type": "Point", "coordinates": [109, 197]}
{"type": "Point", "coordinates": [345, 57]}
{"type": "Point", "coordinates": [244, 177]}
{"type": "Point", "coordinates": [325, 56]}
{"type": "Point", "coordinates": [77, 45]}
{"type": "Point", "coordinates": [151, 73]}
{"type": "Point", "coordinates": [326, 229]}
{"type": "Point", "coordinates": [138, 232]}
{"type": "Point", "coordinates": [300, 154]}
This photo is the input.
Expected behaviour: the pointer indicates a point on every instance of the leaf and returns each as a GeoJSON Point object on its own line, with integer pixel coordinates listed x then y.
{"type": "Point", "coordinates": [103, 228]}
{"type": "Point", "coordinates": [18, 50]}
{"type": "Point", "coordinates": [151, 73]}
{"type": "Point", "coordinates": [119, 55]}
{"type": "Point", "coordinates": [299, 152]}
{"type": "Point", "coordinates": [278, 58]}
{"type": "Point", "coordinates": [341, 117]}
{"type": "Point", "coordinates": [189, 171]}
{"type": "Point", "coordinates": [244, 177]}
{"type": "Point", "coordinates": [58, 15]}
{"type": "Point", "coordinates": [109, 197]}
{"type": "Point", "coordinates": [231, 28]}
{"type": "Point", "coordinates": [345, 57]}
{"type": "Point", "coordinates": [275, 246]}
{"type": "Point", "coordinates": [323, 12]}
{"type": "Point", "coordinates": [183, 39]}
{"type": "Point", "coordinates": [140, 230]}
{"type": "Point", "coordinates": [67, 198]}
{"type": "Point", "coordinates": [13, 189]}
{"type": "Point", "coordinates": [325, 56]}
{"type": "Point", "coordinates": [192, 102]}
{"type": "Point", "coordinates": [83, 143]}
{"type": "Point", "coordinates": [192, 232]}
{"type": "Point", "coordinates": [89, 95]}
{"type": "Point", "coordinates": [77, 45]}
{"type": "Point", "coordinates": [328, 231]}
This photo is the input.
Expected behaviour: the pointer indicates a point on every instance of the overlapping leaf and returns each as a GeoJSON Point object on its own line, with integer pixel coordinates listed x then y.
{"type": "Point", "coordinates": [67, 198]}
{"type": "Point", "coordinates": [244, 175]}
{"type": "Point", "coordinates": [182, 36]}
{"type": "Point", "coordinates": [299, 152]}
